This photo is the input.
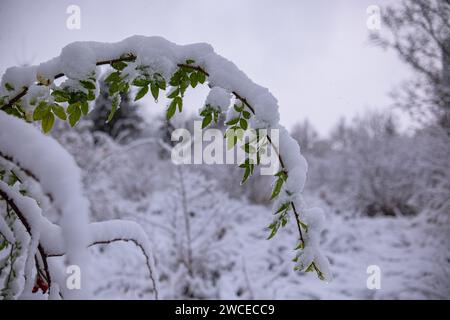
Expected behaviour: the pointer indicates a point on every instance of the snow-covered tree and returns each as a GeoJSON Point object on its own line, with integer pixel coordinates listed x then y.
{"type": "Point", "coordinates": [419, 31]}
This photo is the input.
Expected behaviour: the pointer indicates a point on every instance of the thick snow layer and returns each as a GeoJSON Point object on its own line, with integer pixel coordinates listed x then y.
{"type": "Point", "coordinates": [58, 175]}
{"type": "Point", "coordinates": [78, 60]}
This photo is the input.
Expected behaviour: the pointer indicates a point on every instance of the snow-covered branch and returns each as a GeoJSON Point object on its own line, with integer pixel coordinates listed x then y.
{"type": "Point", "coordinates": [150, 64]}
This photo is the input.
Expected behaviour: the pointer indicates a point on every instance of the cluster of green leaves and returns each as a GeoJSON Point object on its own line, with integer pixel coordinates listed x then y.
{"type": "Point", "coordinates": [209, 114]}
{"type": "Point", "coordinates": [77, 100]}
{"type": "Point", "coordinates": [185, 76]}
{"type": "Point", "coordinates": [254, 147]}
{"type": "Point", "coordinates": [46, 112]}
{"type": "Point", "coordinates": [237, 125]}
{"type": "Point", "coordinates": [281, 219]}
{"type": "Point", "coordinates": [155, 83]}
{"type": "Point", "coordinates": [284, 208]}
{"type": "Point", "coordinates": [248, 167]}
{"type": "Point", "coordinates": [117, 84]}
{"type": "Point", "coordinates": [282, 216]}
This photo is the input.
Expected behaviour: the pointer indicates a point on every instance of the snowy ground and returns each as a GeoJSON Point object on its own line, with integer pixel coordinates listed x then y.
{"type": "Point", "coordinates": [414, 259]}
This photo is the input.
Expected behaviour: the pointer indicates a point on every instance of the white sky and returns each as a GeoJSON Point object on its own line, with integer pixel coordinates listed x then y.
{"type": "Point", "coordinates": [313, 55]}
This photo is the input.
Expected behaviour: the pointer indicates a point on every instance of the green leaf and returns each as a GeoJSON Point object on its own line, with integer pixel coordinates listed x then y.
{"type": "Point", "coordinates": [118, 65]}
{"type": "Point", "coordinates": [173, 93]}
{"type": "Point", "coordinates": [179, 102]}
{"type": "Point", "coordinates": [84, 107]}
{"type": "Point", "coordinates": [283, 207]}
{"type": "Point", "coordinates": [282, 175]}
{"type": "Point", "coordinates": [231, 141]}
{"type": "Point", "coordinates": [175, 80]}
{"type": "Point", "coordinates": [91, 95]}
{"type": "Point", "coordinates": [232, 122]}
{"type": "Point", "coordinates": [113, 88]}
{"type": "Point", "coordinates": [189, 61]}
{"type": "Point", "coordinates": [9, 86]}
{"type": "Point", "coordinates": [171, 110]}
{"type": "Point", "coordinates": [184, 85]}
{"type": "Point", "coordinates": [113, 77]}
{"type": "Point", "coordinates": [277, 188]}
{"type": "Point", "coordinates": [246, 175]}
{"type": "Point", "coordinates": [124, 87]}
{"type": "Point", "coordinates": [310, 268]}
{"type": "Point", "coordinates": [161, 82]}
{"type": "Point", "coordinates": [238, 108]}
{"type": "Point", "coordinates": [206, 121]}
{"type": "Point", "coordinates": [201, 77]}
{"type": "Point", "coordinates": [60, 96]}
{"type": "Point", "coordinates": [40, 111]}
{"type": "Point", "coordinates": [155, 90]}
{"type": "Point", "coordinates": [304, 226]}
{"type": "Point", "coordinates": [139, 82]}
{"type": "Point", "coordinates": [142, 92]}
{"type": "Point", "coordinates": [194, 79]}
{"type": "Point", "coordinates": [300, 246]}
{"type": "Point", "coordinates": [72, 107]}
{"type": "Point", "coordinates": [47, 122]}
{"type": "Point", "coordinates": [74, 116]}
{"type": "Point", "coordinates": [246, 114]}
{"type": "Point", "coordinates": [114, 107]}
{"type": "Point", "coordinates": [243, 123]}
{"type": "Point", "coordinates": [274, 227]}
{"type": "Point", "coordinates": [59, 112]}
{"type": "Point", "coordinates": [87, 84]}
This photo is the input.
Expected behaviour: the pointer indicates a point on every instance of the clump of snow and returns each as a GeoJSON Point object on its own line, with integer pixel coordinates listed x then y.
{"type": "Point", "coordinates": [289, 150]}
{"type": "Point", "coordinates": [218, 97]}
{"type": "Point", "coordinates": [18, 77]}
{"type": "Point", "coordinates": [296, 179]}
{"type": "Point", "coordinates": [77, 60]}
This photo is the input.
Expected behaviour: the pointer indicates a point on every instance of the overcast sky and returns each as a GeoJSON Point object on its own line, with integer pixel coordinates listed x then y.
{"type": "Point", "coordinates": [313, 55]}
